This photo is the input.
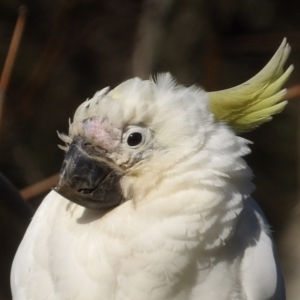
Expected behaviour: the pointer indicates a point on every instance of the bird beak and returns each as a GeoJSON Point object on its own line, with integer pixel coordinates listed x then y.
{"type": "Point", "coordinates": [88, 182]}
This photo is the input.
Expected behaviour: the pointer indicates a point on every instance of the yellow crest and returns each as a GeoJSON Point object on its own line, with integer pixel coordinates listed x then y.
{"type": "Point", "coordinates": [253, 103]}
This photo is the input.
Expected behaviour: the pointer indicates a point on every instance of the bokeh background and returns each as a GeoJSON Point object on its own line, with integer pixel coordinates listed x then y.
{"type": "Point", "coordinates": [72, 48]}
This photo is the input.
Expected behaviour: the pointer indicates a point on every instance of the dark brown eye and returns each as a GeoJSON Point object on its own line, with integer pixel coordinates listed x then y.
{"type": "Point", "coordinates": [134, 139]}
{"type": "Point", "coordinates": [135, 136]}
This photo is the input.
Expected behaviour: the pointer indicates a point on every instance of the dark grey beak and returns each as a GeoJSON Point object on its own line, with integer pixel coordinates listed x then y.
{"type": "Point", "coordinates": [88, 182]}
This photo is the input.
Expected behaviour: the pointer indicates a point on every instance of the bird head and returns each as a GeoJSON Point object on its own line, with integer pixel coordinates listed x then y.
{"type": "Point", "coordinates": [138, 128]}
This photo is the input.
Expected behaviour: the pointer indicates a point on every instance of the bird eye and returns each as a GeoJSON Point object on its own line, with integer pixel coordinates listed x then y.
{"type": "Point", "coordinates": [135, 136]}
{"type": "Point", "coordinates": [134, 139]}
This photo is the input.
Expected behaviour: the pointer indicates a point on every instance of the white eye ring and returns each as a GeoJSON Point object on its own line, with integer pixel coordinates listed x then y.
{"type": "Point", "coordinates": [134, 136]}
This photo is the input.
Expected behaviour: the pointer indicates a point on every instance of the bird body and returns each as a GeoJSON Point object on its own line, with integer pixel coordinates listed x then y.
{"type": "Point", "coordinates": [175, 219]}
{"type": "Point", "coordinates": [116, 258]}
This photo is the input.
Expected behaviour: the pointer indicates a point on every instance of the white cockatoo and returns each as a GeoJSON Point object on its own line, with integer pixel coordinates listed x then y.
{"type": "Point", "coordinates": [153, 201]}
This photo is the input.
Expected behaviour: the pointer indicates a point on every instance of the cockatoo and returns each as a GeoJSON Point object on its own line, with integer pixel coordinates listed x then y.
{"type": "Point", "coordinates": [153, 201]}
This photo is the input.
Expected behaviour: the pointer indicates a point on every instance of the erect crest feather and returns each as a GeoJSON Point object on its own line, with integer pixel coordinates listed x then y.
{"type": "Point", "coordinates": [253, 103]}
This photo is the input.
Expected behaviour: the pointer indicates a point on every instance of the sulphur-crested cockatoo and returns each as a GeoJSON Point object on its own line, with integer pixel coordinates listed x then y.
{"type": "Point", "coordinates": [154, 198]}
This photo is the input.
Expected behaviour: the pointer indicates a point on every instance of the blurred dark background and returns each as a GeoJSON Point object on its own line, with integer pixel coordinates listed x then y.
{"type": "Point", "coordinates": [72, 48]}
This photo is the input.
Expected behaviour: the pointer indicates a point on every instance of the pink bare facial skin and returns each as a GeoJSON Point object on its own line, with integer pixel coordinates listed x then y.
{"type": "Point", "coordinates": [101, 132]}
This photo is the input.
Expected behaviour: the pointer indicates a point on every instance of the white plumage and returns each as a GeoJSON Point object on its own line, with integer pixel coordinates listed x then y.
{"type": "Point", "coordinates": [187, 229]}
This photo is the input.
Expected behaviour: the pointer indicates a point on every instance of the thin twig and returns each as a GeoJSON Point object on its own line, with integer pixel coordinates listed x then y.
{"type": "Point", "coordinates": [292, 92]}
{"type": "Point", "coordinates": [40, 187]}
{"type": "Point", "coordinates": [10, 59]}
